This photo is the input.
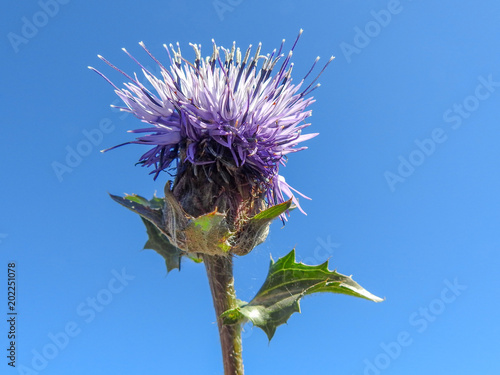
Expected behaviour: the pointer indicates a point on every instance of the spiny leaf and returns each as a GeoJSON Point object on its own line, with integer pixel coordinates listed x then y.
{"type": "Point", "coordinates": [208, 221]}
{"type": "Point", "coordinates": [151, 215]}
{"type": "Point", "coordinates": [286, 283]}
{"type": "Point", "coordinates": [141, 206]}
{"type": "Point", "coordinates": [158, 242]}
{"type": "Point", "coordinates": [208, 233]}
{"type": "Point", "coordinates": [155, 203]}
{"type": "Point", "coordinates": [151, 212]}
{"type": "Point", "coordinates": [273, 212]}
{"type": "Point", "coordinates": [256, 229]}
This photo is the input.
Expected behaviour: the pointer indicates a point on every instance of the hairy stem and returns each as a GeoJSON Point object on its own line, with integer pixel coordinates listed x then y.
{"type": "Point", "coordinates": [237, 199]}
{"type": "Point", "coordinates": [220, 276]}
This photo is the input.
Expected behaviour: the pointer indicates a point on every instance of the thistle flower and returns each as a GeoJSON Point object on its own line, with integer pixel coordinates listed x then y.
{"type": "Point", "coordinates": [226, 125]}
{"type": "Point", "coordinates": [227, 120]}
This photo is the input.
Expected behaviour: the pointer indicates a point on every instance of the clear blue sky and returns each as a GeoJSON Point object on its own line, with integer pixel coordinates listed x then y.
{"type": "Point", "coordinates": [404, 178]}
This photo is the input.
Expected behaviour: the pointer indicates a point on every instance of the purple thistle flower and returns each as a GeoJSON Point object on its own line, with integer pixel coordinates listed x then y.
{"type": "Point", "coordinates": [227, 115]}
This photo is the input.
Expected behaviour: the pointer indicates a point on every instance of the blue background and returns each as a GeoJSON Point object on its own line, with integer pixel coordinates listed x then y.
{"type": "Point", "coordinates": [436, 226]}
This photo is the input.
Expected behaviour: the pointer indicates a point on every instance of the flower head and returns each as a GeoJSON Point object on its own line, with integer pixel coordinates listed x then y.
{"type": "Point", "coordinates": [230, 117]}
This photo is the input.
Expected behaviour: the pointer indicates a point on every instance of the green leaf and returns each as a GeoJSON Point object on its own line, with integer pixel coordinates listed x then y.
{"type": "Point", "coordinates": [146, 209]}
{"type": "Point", "coordinates": [208, 233]}
{"type": "Point", "coordinates": [155, 203]}
{"type": "Point", "coordinates": [151, 212]}
{"type": "Point", "coordinates": [286, 283]}
{"type": "Point", "coordinates": [158, 242]}
{"type": "Point", "coordinates": [273, 212]}
{"type": "Point", "coordinates": [256, 229]}
{"type": "Point", "coordinates": [208, 221]}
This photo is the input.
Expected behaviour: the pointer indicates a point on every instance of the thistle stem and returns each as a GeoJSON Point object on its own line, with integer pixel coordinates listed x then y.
{"type": "Point", "coordinates": [220, 277]}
